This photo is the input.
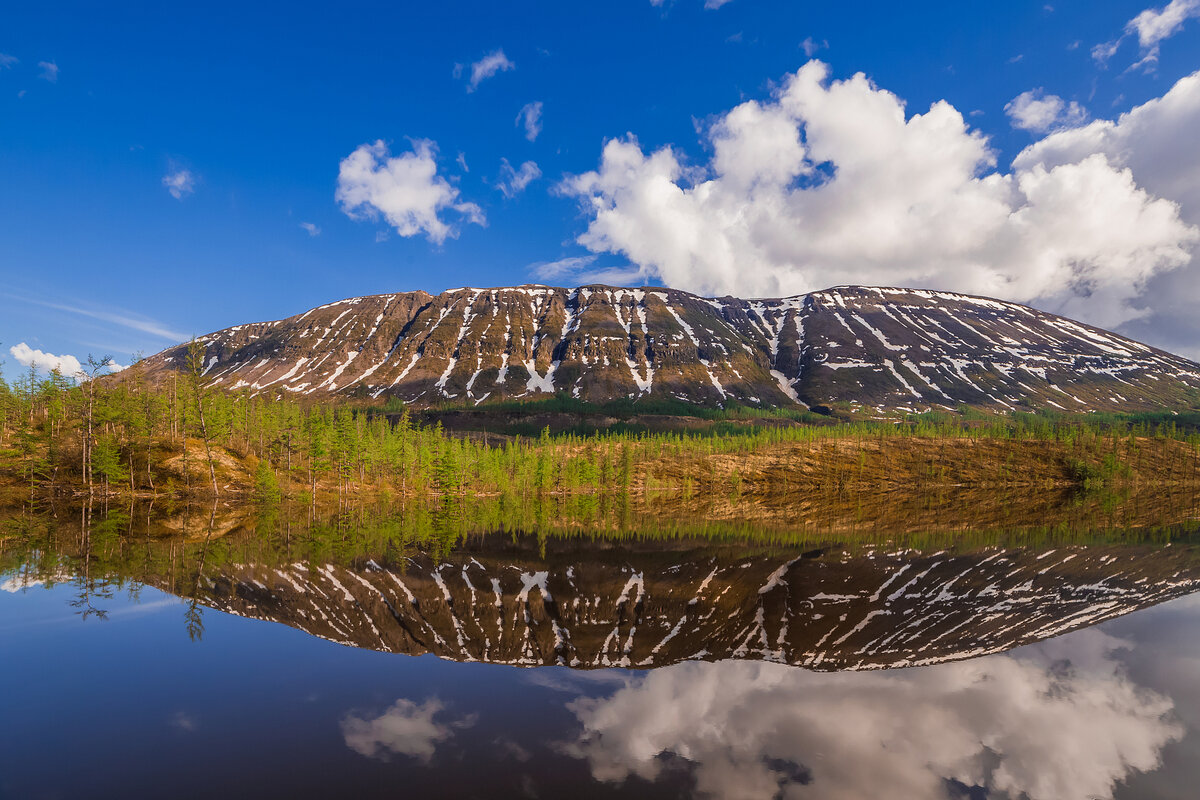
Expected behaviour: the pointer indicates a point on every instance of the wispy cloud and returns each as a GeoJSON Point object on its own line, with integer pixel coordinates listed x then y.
{"type": "Point", "coordinates": [810, 46]}
{"type": "Point", "coordinates": [512, 181]}
{"type": "Point", "coordinates": [125, 319]}
{"type": "Point", "coordinates": [7, 61]}
{"type": "Point", "coordinates": [311, 228]}
{"type": "Point", "coordinates": [1151, 27]}
{"type": "Point", "coordinates": [577, 270]}
{"type": "Point", "coordinates": [486, 67]}
{"type": "Point", "coordinates": [530, 116]}
{"type": "Point", "coordinates": [179, 182]}
{"type": "Point", "coordinates": [708, 4]}
{"type": "Point", "coordinates": [562, 268]}
{"type": "Point", "coordinates": [49, 71]}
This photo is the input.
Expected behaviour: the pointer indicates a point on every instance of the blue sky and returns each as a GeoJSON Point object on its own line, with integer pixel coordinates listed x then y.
{"type": "Point", "coordinates": [168, 171]}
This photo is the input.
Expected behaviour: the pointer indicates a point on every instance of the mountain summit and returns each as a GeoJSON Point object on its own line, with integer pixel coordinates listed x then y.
{"type": "Point", "coordinates": [850, 348]}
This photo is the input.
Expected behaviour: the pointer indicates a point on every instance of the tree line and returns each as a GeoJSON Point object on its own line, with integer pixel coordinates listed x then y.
{"type": "Point", "coordinates": [94, 433]}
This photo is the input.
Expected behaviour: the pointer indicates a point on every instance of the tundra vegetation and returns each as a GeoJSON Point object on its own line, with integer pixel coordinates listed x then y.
{"type": "Point", "coordinates": [106, 436]}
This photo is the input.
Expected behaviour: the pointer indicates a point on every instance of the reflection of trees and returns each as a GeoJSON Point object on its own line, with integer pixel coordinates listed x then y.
{"type": "Point", "coordinates": [193, 616]}
{"type": "Point", "coordinates": [89, 589]}
{"type": "Point", "coordinates": [194, 620]}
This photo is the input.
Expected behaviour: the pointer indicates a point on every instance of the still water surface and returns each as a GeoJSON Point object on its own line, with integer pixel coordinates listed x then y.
{"type": "Point", "coordinates": [352, 657]}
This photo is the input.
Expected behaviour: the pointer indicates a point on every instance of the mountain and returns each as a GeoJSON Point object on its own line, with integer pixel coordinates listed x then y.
{"type": "Point", "coordinates": [851, 348]}
{"type": "Point", "coordinates": [517, 600]}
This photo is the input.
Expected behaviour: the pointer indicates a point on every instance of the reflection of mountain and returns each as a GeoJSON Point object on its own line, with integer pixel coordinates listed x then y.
{"type": "Point", "coordinates": [590, 604]}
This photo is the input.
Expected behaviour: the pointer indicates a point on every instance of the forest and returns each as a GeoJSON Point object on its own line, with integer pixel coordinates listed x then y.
{"type": "Point", "coordinates": [98, 435]}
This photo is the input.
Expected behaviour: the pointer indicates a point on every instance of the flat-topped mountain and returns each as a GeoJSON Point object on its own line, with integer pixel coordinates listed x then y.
{"type": "Point", "coordinates": [514, 600]}
{"type": "Point", "coordinates": [852, 348]}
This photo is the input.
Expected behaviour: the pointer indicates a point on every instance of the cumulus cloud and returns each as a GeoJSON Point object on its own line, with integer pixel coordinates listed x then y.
{"type": "Point", "coordinates": [513, 181]}
{"type": "Point", "coordinates": [68, 365]}
{"type": "Point", "coordinates": [405, 190]}
{"type": "Point", "coordinates": [1155, 24]}
{"type": "Point", "coordinates": [179, 182]}
{"type": "Point", "coordinates": [1040, 112]}
{"type": "Point", "coordinates": [49, 71]}
{"type": "Point", "coordinates": [405, 729]}
{"type": "Point", "coordinates": [1155, 143]}
{"type": "Point", "coordinates": [1150, 27]}
{"type": "Point", "coordinates": [486, 67]}
{"type": "Point", "coordinates": [1061, 722]}
{"type": "Point", "coordinates": [311, 229]}
{"type": "Point", "coordinates": [832, 182]}
{"type": "Point", "coordinates": [39, 359]}
{"type": "Point", "coordinates": [530, 116]}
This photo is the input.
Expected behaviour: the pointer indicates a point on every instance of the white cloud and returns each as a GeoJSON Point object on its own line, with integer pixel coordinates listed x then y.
{"type": "Point", "coordinates": [6, 61]}
{"type": "Point", "coordinates": [183, 721]}
{"type": "Point", "coordinates": [563, 268]}
{"type": "Point", "coordinates": [28, 357]}
{"type": "Point", "coordinates": [405, 190]}
{"type": "Point", "coordinates": [406, 728]}
{"type": "Point", "coordinates": [311, 228]}
{"type": "Point", "coordinates": [1151, 27]}
{"type": "Point", "coordinates": [1039, 112]}
{"type": "Point", "coordinates": [582, 270]}
{"type": "Point", "coordinates": [1156, 143]}
{"type": "Point", "coordinates": [513, 181]}
{"type": "Point", "coordinates": [179, 182]}
{"type": "Point", "coordinates": [120, 317]}
{"type": "Point", "coordinates": [831, 182]}
{"type": "Point", "coordinates": [491, 64]}
{"type": "Point", "coordinates": [1062, 721]}
{"type": "Point", "coordinates": [708, 4]}
{"type": "Point", "coordinates": [530, 116]}
{"type": "Point", "coordinates": [810, 47]}
{"type": "Point", "coordinates": [49, 71]}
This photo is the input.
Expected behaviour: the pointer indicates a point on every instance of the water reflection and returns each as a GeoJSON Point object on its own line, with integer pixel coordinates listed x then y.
{"type": "Point", "coordinates": [591, 601]}
{"type": "Point", "coordinates": [1060, 722]}
{"type": "Point", "coordinates": [406, 729]}
{"type": "Point", "coordinates": [698, 665]}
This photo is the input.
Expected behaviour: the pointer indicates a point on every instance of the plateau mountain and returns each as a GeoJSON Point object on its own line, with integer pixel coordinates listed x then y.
{"type": "Point", "coordinates": [850, 349]}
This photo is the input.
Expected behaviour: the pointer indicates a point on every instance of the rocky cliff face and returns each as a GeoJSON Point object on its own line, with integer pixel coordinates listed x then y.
{"type": "Point", "coordinates": [856, 348]}
{"type": "Point", "coordinates": [590, 605]}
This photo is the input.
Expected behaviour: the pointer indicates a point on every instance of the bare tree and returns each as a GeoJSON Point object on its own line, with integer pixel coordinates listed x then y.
{"type": "Point", "coordinates": [195, 362]}
{"type": "Point", "coordinates": [88, 376]}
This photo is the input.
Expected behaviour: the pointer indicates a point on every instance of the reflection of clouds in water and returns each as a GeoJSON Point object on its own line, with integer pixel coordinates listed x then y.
{"type": "Point", "coordinates": [1060, 722]}
{"type": "Point", "coordinates": [183, 721]}
{"type": "Point", "coordinates": [405, 728]}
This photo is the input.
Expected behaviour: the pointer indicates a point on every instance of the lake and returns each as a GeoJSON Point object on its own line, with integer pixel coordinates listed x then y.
{"type": "Point", "coordinates": [472, 650]}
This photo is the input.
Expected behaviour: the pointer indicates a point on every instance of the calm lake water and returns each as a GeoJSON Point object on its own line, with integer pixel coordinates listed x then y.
{"type": "Point", "coordinates": [237, 652]}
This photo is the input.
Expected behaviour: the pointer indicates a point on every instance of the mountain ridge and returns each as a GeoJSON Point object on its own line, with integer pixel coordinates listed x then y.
{"type": "Point", "coordinates": [854, 349]}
